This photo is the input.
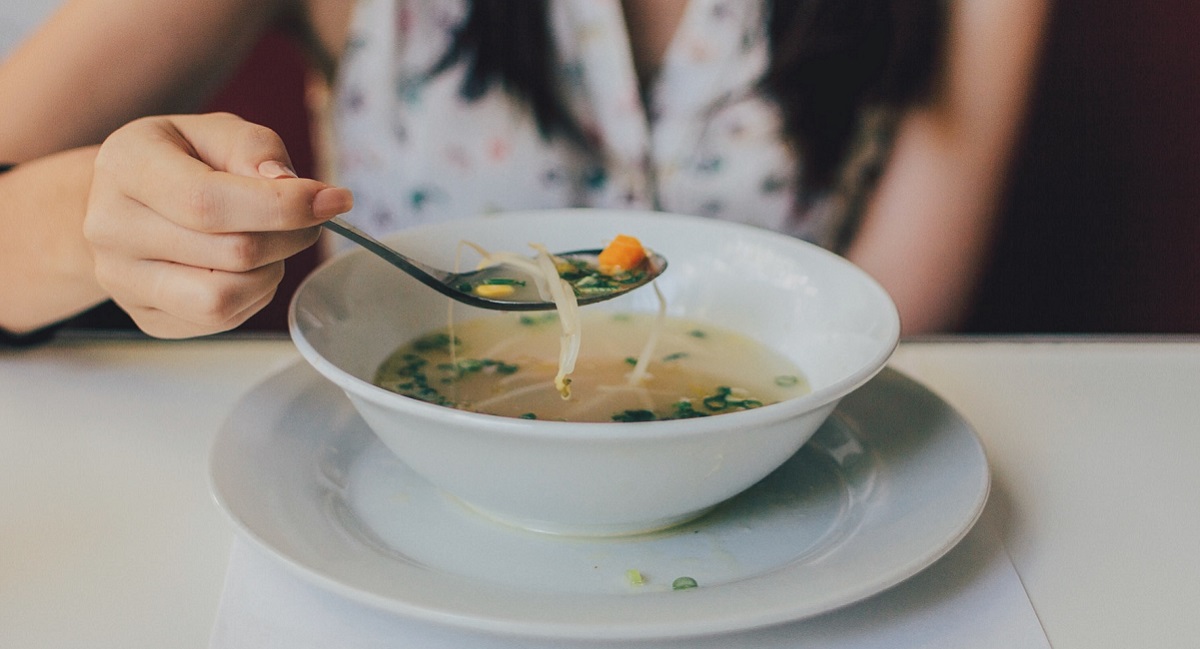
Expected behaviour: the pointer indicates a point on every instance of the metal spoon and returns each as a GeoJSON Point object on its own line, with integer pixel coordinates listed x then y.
{"type": "Point", "coordinates": [459, 286]}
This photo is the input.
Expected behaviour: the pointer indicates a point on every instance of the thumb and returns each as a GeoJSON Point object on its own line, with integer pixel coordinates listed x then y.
{"type": "Point", "coordinates": [230, 143]}
{"type": "Point", "coordinates": [275, 170]}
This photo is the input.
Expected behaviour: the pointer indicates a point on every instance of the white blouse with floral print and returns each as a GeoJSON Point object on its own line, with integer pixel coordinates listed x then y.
{"type": "Point", "coordinates": [704, 141]}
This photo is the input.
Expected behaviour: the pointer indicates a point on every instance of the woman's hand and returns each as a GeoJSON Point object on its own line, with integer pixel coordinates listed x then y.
{"type": "Point", "coordinates": [191, 217]}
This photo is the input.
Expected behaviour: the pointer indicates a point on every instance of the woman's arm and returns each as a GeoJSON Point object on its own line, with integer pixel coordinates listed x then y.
{"type": "Point", "coordinates": [927, 232]}
{"type": "Point", "coordinates": [46, 264]}
{"type": "Point", "coordinates": [94, 65]}
{"type": "Point", "coordinates": [196, 259]}
{"type": "Point", "coordinates": [98, 64]}
{"type": "Point", "coordinates": [191, 217]}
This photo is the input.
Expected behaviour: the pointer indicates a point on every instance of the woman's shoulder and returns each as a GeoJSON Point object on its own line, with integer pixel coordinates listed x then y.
{"type": "Point", "coordinates": [18, 18]}
{"type": "Point", "coordinates": [334, 28]}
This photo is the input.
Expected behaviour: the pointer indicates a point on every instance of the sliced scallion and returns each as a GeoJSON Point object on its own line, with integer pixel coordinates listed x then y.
{"type": "Point", "coordinates": [683, 583]}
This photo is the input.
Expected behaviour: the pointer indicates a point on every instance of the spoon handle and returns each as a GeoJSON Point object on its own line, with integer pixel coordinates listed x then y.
{"type": "Point", "coordinates": [448, 283]}
{"type": "Point", "coordinates": [429, 276]}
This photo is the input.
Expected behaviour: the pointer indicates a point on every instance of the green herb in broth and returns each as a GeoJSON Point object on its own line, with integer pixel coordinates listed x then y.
{"type": "Point", "coordinates": [634, 415]}
{"type": "Point", "coordinates": [505, 364]}
{"type": "Point", "coordinates": [717, 403]}
{"type": "Point", "coordinates": [467, 365]}
{"type": "Point", "coordinates": [724, 400]}
{"type": "Point", "coordinates": [436, 340]}
{"type": "Point", "coordinates": [406, 374]}
{"type": "Point", "coordinates": [540, 319]}
{"type": "Point", "coordinates": [685, 410]}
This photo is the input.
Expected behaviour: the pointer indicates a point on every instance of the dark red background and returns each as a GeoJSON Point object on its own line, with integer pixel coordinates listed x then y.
{"type": "Point", "coordinates": [1101, 222]}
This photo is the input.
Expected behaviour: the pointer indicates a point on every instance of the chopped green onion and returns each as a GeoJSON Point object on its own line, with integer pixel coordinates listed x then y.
{"type": "Point", "coordinates": [635, 577]}
{"type": "Point", "coordinates": [469, 365]}
{"type": "Point", "coordinates": [723, 399]}
{"type": "Point", "coordinates": [717, 401]}
{"type": "Point", "coordinates": [434, 341]}
{"type": "Point", "coordinates": [787, 380]}
{"type": "Point", "coordinates": [683, 583]}
{"type": "Point", "coordinates": [685, 410]}
{"type": "Point", "coordinates": [530, 320]}
{"type": "Point", "coordinates": [634, 415]}
{"type": "Point", "coordinates": [586, 279]}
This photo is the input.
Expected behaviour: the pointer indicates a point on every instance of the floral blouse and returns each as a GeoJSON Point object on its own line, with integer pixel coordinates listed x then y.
{"type": "Point", "coordinates": [703, 140]}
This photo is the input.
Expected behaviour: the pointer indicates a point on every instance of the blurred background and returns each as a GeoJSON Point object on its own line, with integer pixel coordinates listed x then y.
{"type": "Point", "coordinates": [1100, 228]}
{"type": "Point", "coordinates": [1101, 220]}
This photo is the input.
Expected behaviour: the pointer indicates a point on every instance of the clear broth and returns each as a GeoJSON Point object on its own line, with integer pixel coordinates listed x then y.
{"type": "Point", "coordinates": [505, 365]}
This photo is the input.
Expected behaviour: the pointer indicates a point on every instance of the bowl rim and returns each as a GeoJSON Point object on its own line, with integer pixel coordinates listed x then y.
{"type": "Point", "coordinates": [659, 429]}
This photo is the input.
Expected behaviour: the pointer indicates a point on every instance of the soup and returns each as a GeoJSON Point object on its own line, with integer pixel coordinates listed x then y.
{"type": "Point", "coordinates": [622, 263]}
{"type": "Point", "coordinates": [506, 365]}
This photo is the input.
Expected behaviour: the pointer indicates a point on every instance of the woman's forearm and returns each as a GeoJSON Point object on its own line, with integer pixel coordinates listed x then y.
{"type": "Point", "coordinates": [96, 65]}
{"type": "Point", "coordinates": [93, 67]}
{"type": "Point", "coordinates": [44, 260]}
{"type": "Point", "coordinates": [928, 233]}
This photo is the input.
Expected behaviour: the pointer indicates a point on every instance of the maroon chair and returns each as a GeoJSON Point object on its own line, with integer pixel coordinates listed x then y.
{"type": "Point", "coordinates": [269, 89]}
{"type": "Point", "coordinates": [1101, 228]}
{"type": "Point", "coordinates": [1101, 222]}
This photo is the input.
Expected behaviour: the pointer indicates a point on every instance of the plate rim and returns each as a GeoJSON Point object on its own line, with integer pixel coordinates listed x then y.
{"type": "Point", "coordinates": [303, 376]}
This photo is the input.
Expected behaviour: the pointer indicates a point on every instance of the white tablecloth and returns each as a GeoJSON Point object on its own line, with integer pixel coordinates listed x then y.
{"type": "Point", "coordinates": [109, 537]}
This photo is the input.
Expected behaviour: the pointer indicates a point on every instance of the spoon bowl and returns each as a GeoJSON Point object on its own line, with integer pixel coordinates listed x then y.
{"type": "Point", "coordinates": [524, 295]}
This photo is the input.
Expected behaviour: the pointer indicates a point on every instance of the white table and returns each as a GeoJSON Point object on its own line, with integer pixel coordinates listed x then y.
{"type": "Point", "coordinates": [109, 537]}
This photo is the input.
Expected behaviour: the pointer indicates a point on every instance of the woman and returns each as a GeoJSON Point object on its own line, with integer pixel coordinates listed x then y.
{"type": "Point", "coordinates": [849, 123]}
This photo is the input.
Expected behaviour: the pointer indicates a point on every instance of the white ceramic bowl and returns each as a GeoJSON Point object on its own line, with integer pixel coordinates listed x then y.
{"type": "Point", "coordinates": [815, 308]}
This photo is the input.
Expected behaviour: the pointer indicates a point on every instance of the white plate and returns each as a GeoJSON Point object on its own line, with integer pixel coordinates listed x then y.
{"type": "Point", "coordinates": [887, 486]}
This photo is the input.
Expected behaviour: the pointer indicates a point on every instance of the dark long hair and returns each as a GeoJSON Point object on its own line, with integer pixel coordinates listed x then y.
{"type": "Point", "coordinates": [830, 59]}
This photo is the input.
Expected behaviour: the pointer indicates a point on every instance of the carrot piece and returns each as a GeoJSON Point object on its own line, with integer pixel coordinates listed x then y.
{"type": "Point", "coordinates": [622, 253]}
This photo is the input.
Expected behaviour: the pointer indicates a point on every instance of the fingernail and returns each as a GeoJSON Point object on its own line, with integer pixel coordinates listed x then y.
{"type": "Point", "coordinates": [275, 169]}
{"type": "Point", "coordinates": [331, 201]}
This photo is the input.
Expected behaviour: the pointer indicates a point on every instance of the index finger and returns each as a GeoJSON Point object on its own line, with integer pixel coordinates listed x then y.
{"type": "Point", "coordinates": [176, 167]}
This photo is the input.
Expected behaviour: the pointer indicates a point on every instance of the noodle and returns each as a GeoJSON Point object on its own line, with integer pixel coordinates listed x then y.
{"type": "Point", "coordinates": [638, 375]}
{"type": "Point", "coordinates": [544, 271]}
{"type": "Point", "coordinates": [550, 286]}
